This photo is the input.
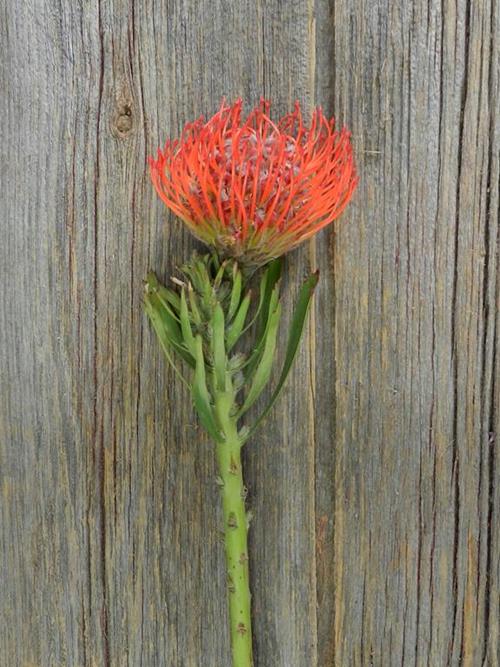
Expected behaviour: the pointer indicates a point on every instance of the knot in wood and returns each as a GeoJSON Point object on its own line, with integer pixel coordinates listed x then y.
{"type": "Point", "coordinates": [123, 121]}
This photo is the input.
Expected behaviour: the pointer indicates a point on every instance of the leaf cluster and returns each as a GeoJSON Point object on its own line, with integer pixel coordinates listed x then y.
{"type": "Point", "coordinates": [203, 319]}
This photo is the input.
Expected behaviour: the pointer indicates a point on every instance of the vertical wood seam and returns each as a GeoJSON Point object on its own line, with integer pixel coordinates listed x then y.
{"type": "Point", "coordinates": [311, 28]}
{"type": "Point", "coordinates": [98, 434]}
{"type": "Point", "coordinates": [490, 409]}
{"type": "Point", "coordinates": [455, 451]}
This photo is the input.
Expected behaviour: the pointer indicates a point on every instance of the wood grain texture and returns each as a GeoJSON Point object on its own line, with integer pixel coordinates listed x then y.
{"type": "Point", "coordinates": [375, 482]}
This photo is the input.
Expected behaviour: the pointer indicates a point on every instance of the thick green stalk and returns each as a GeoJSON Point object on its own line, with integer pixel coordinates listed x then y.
{"type": "Point", "coordinates": [235, 534]}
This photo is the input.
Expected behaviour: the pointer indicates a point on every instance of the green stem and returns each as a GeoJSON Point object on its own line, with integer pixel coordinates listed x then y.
{"type": "Point", "coordinates": [235, 535]}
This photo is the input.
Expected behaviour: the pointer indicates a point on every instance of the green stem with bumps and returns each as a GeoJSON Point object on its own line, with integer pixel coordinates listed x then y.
{"type": "Point", "coordinates": [235, 533]}
{"type": "Point", "coordinates": [201, 324]}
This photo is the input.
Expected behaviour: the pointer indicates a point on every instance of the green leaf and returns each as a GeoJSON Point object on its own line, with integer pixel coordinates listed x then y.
{"type": "Point", "coordinates": [165, 322]}
{"type": "Point", "coordinates": [218, 349]}
{"type": "Point", "coordinates": [295, 335]}
{"type": "Point", "coordinates": [235, 293]}
{"type": "Point", "coordinates": [268, 287]}
{"type": "Point", "coordinates": [262, 294]}
{"type": "Point", "coordinates": [236, 328]}
{"type": "Point", "coordinates": [169, 298]}
{"type": "Point", "coordinates": [263, 370]}
{"type": "Point", "coordinates": [193, 303]}
{"type": "Point", "coordinates": [164, 342]}
{"type": "Point", "coordinates": [253, 359]}
{"type": "Point", "coordinates": [201, 397]}
{"type": "Point", "coordinates": [201, 279]}
{"type": "Point", "coordinates": [220, 274]}
{"type": "Point", "coordinates": [187, 334]}
{"type": "Point", "coordinates": [272, 275]}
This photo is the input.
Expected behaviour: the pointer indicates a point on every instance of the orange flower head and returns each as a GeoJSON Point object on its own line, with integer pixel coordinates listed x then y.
{"type": "Point", "coordinates": [254, 189]}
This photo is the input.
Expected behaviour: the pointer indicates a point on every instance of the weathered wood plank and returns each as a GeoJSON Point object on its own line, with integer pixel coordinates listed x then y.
{"type": "Point", "coordinates": [52, 589]}
{"type": "Point", "coordinates": [375, 539]}
{"type": "Point", "coordinates": [146, 547]}
{"type": "Point", "coordinates": [415, 570]}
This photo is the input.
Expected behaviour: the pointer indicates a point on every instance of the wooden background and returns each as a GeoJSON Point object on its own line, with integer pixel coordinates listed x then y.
{"type": "Point", "coordinates": [375, 482]}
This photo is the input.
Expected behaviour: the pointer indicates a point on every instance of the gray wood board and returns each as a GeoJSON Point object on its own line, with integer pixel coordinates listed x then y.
{"type": "Point", "coordinates": [374, 484]}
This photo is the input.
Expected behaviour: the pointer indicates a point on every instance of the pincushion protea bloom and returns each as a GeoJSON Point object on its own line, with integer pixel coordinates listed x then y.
{"type": "Point", "coordinates": [254, 189]}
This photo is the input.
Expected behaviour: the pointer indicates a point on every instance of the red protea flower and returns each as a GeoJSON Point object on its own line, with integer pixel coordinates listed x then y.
{"type": "Point", "coordinates": [256, 189]}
